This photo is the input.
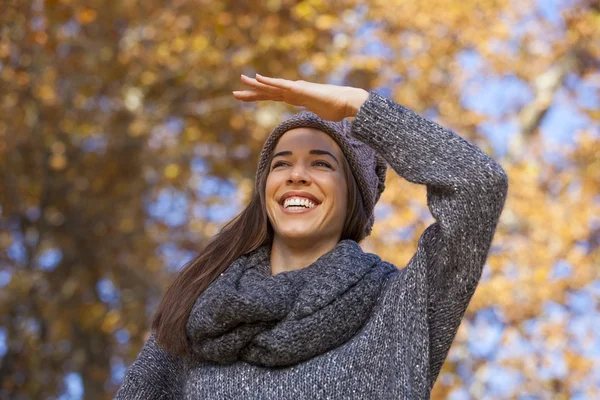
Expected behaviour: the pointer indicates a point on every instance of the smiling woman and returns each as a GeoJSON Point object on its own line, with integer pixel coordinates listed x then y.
{"type": "Point", "coordinates": [284, 304]}
{"type": "Point", "coordinates": [321, 181]}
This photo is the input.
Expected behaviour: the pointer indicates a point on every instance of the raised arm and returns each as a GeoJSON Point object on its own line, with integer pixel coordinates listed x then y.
{"type": "Point", "coordinates": [466, 190]}
{"type": "Point", "coordinates": [155, 374]}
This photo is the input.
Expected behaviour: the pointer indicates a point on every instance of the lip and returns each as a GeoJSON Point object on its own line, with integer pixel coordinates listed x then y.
{"type": "Point", "coordinates": [299, 193]}
{"type": "Point", "coordinates": [299, 211]}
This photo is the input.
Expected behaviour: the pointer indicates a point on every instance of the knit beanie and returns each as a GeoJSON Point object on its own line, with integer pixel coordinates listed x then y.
{"type": "Point", "coordinates": [368, 167]}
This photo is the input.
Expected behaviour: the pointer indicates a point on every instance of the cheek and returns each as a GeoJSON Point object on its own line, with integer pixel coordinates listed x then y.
{"type": "Point", "coordinates": [342, 195]}
{"type": "Point", "coordinates": [338, 192]}
{"type": "Point", "coordinates": [271, 186]}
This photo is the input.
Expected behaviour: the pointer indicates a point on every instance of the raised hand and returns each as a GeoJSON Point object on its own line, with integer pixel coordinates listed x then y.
{"type": "Point", "coordinates": [330, 102]}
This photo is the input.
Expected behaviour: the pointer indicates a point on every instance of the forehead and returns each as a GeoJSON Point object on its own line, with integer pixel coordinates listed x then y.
{"type": "Point", "coordinates": [305, 139]}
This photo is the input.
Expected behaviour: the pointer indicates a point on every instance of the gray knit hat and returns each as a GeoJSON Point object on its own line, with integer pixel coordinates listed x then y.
{"type": "Point", "coordinates": [368, 167]}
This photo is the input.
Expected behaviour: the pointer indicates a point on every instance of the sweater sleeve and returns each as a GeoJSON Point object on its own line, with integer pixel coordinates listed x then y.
{"type": "Point", "coordinates": [155, 374]}
{"type": "Point", "coordinates": [466, 190]}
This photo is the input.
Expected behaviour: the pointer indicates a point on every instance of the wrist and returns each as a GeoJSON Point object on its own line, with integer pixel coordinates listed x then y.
{"type": "Point", "coordinates": [355, 101]}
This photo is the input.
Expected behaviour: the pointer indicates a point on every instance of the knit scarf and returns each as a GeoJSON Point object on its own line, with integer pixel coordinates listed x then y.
{"type": "Point", "coordinates": [274, 321]}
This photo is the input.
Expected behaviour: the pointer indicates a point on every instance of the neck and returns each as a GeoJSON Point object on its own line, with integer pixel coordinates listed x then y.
{"type": "Point", "coordinates": [293, 255]}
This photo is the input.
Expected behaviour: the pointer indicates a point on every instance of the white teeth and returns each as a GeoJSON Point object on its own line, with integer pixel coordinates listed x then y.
{"type": "Point", "coordinates": [298, 201]}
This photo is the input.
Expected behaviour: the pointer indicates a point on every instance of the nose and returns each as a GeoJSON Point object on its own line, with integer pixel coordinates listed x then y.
{"type": "Point", "coordinates": [298, 174]}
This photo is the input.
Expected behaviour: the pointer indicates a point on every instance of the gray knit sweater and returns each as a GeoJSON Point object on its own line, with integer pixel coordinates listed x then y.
{"type": "Point", "coordinates": [400, 350]}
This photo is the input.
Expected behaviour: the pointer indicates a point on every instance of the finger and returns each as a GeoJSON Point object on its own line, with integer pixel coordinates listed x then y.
{"type": "Point", "coordinates": [254, 95]}
{"type": "Point", "coordinates": [253, 82]}
{"type": "Point", "coordinates": [277, 82]}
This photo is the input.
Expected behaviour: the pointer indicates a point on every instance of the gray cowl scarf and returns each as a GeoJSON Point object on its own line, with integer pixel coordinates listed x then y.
{"type": "Point", "coordinates": [247, 314]}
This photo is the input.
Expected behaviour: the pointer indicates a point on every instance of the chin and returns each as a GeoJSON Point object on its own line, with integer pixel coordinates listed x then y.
{"type": "Point", "coordinates": [298, 233]}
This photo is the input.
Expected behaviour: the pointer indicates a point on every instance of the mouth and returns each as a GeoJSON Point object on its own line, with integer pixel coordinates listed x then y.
{"type": "Point", "coordinates": [297, 210]}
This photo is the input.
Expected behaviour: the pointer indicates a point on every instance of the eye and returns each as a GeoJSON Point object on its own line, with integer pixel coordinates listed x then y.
{"type": "Point", "coordinates": [322, 163]}
{"type": "Point", "coordinates": [277, 164]}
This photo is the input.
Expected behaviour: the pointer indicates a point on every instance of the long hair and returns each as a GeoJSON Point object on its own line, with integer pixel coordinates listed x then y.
{"type": "Point", "coordinates": [246, 232]}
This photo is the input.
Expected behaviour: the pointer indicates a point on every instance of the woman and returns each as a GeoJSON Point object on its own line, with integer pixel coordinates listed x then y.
{"type": "Point", "coordinates": [284, 304]}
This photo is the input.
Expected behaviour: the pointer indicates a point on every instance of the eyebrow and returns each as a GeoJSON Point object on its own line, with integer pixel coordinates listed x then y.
{"type": "Point", "coordinates": [314, 151]}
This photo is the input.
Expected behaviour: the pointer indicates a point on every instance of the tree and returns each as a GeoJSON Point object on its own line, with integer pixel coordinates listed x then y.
{"type": "Point", "coordinates": [123, 151]}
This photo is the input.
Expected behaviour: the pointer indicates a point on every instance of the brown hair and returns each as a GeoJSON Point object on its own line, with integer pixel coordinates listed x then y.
{"type": "Point", "coordinates": [246, 232]}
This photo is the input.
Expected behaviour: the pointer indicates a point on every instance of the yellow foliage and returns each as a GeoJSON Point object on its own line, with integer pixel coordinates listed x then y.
{"type": "Point", "coordinates": [83, 90]}
{"type": "Point", "coordinates": [111, 321]}
{"type": "Point", "coordinates": [172, 171]}
{"type": "Point", "coordinates": [86, 15]}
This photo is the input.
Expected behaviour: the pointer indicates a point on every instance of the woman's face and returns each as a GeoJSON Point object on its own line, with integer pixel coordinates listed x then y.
{"type": "Point", "coordinates": [309, 162]}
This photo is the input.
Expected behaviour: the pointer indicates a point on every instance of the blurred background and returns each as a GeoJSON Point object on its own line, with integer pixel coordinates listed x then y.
{"type": "Point", "coordinates": [123, 151]}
